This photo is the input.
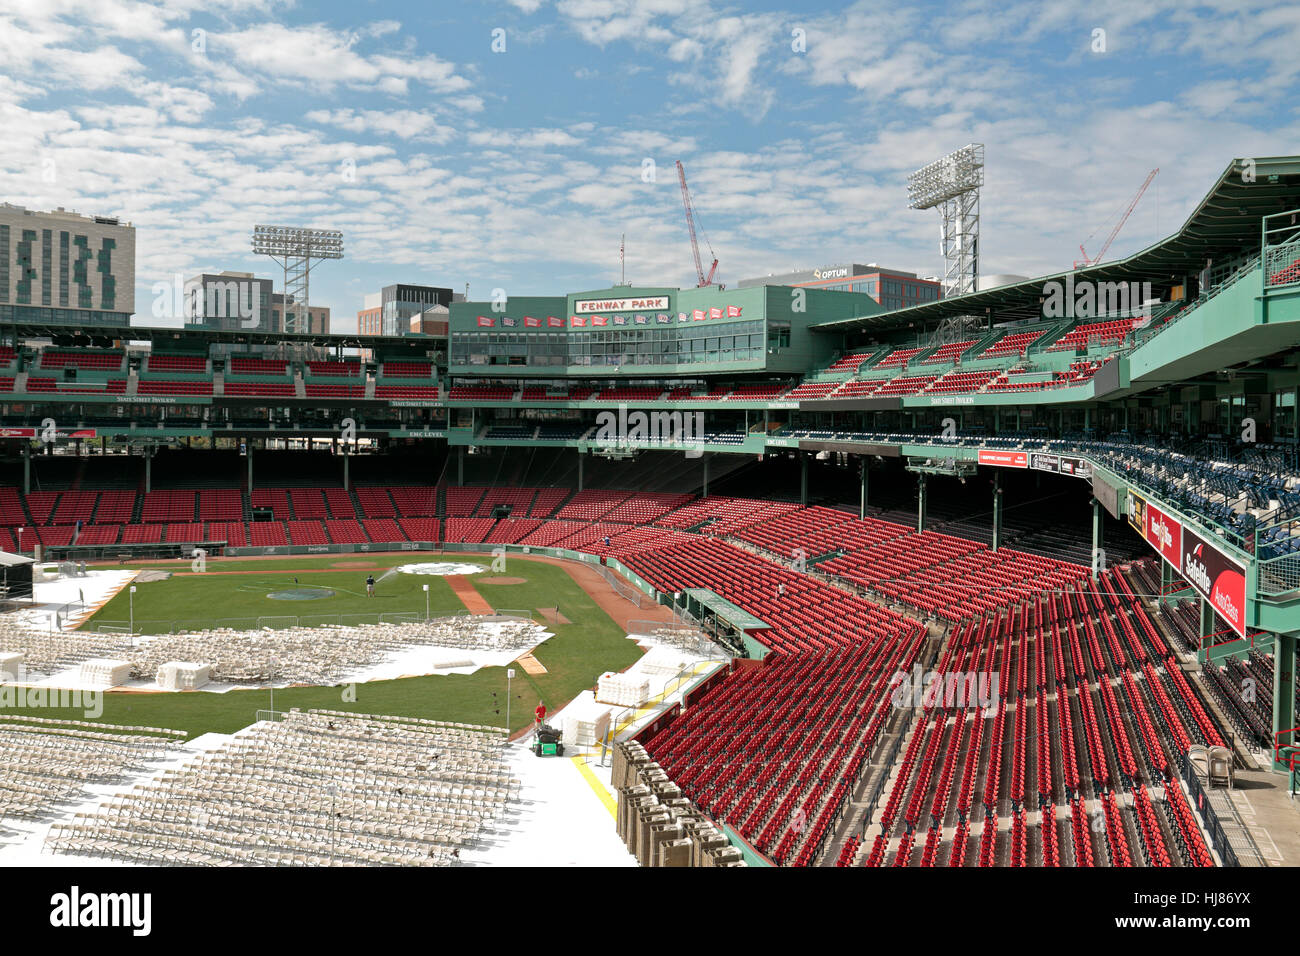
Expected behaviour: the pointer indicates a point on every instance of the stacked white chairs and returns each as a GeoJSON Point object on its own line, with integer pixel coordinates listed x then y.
{"type": "Point", "coordinates": [183, 675]}
{"type": "Point", "coordinates": [104, 672]}
{"type": "Point", "coordinates": [622, 690]}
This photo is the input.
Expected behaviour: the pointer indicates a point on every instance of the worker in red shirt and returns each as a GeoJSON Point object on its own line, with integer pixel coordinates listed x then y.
{"type": "Point", "coordinates": [540, 713]}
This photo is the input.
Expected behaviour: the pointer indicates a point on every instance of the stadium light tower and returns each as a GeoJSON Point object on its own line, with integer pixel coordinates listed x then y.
{"type": "Point", "coordinates": [953, 185]}
{"type": "Point", "coordinates": [296, 250]}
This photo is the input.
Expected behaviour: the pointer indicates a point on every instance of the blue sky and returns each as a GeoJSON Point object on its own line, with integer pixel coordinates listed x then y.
{"type": "Point", "coordinates": [447, 162]}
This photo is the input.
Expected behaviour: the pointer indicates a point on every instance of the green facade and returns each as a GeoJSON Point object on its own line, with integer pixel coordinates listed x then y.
{"type": "Point", "coordinates": [648, 331]}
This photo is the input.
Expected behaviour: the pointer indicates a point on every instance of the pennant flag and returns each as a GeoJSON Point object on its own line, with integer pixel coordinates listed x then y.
{"type": "Point", "coordinates": [715, 313]}
{"type": "Point", "coordinates": [532, 322]}
{"type": "Point", "coordinates": [485, 322]}
{"type": "Point", "coordinates": [554, 322]}
{"type": "Point", "coordinates": [698, 315]}
{"type": "Point", "coordinates": [733, 311]}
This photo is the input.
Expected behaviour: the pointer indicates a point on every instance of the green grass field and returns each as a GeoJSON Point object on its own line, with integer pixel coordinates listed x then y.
{"type": "Point", "coordinates": [577, 654]}
{"type": "Point", "coordinates": [236, 595]}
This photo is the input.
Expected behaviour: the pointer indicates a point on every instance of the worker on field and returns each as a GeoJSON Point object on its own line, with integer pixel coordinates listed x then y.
{"type": "Point", "coordinates": [540, 713]}
{"type": "Point", "coordinates": [370, 585]}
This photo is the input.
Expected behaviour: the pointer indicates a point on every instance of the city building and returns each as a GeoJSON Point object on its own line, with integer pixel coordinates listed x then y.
{"type": "Point", "coordinates": [892, 288]}
{"type": "Point", "coordinates": [432, 321]}
{"type": "Point", "coordinates": [229, 301]}
{"type": "Point", "coordinates": [370, 318]}
{"type": "Point", "coordinates": [65, 268]}
{"type": "Point", "coordinates": [399, 302]}
{"type": "Point", "coordinates": [289, 319]}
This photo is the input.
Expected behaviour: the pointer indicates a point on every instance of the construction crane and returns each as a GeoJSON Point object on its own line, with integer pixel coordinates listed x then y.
{"type": "Point", "coordinates": [1086, 261]}
{"type": "Point", "coordinates": [689, 205]}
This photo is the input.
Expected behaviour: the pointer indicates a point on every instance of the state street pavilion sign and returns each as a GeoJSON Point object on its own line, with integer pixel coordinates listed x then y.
{"type": "Point", "coordinates": [657, 302]}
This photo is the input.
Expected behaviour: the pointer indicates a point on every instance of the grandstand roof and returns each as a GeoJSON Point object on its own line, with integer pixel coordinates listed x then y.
{"type": "Point", "coordinates": [1222, 224]}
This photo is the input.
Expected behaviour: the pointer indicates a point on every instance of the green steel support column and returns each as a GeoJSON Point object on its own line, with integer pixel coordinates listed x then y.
{"type": "Point", "coordinates": [705, 459]}
{"type": "Point", "coordinates": [1207, 629]}
{"type": "Point", "coordinates": [148, 471]}
{"type": "Point", "coordinates": [803, 479]}
{"type": "Point", "coordinates": [997, 510]}
{"type": "Point", "coordinates": [1097, 533]}
{"type": "Point", "coordinates": [27, 468]}
{"type": "Point", "coordinates": [346, 485]}
{"type": "Point", "coordinates": [580, 463]}
{"type": "Point", "coordinates": [1283, 693]}
{"type": "Point", "coordinates": [1166, 580]}
{"type": "Point", "coordinates": [248, 445]}
{"type": "Point", "coordinates": [862, 500]}
{"type": "Point", "coordinates": [460, 466]}
{"type": "Point", "coordinates": [920, 502]}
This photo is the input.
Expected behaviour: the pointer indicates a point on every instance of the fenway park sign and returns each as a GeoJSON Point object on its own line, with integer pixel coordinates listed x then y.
{"type": "Point", "coordinates": [583, 306]}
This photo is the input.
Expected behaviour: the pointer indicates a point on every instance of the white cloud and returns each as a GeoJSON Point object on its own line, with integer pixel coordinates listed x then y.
{"type": "Point", "coordinates": [404, 124]}
{"type": "Point", "coordinates": [323, 58]}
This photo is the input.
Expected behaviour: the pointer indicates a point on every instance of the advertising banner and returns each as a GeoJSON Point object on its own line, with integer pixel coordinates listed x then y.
{"type": "Point", "coordinates": [1136, 509]}
{"type": "Point", "coordinates": [1004, 459]}
{"type": "Point", "coordinates": [1078, 467]}
{"type": "Point", "coordinates": [1222, 579]}
{"type": "Point", "coordinates": [1164, 533]}
{"type": "Point", "coordinates": [35, 433]}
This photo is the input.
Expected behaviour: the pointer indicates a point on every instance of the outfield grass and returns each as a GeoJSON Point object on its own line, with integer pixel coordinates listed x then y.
{"type": "Point", "coordinates": [227, 592]}
{"type": "Point", "coordinates": [577, 654]}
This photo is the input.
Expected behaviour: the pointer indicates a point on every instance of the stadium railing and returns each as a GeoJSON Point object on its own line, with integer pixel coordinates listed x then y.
{"type": "Point", "coordinates": [1201, 801]}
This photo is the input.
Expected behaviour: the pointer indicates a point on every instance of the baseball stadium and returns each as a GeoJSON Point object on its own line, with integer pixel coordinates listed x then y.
{"type": "Point", "coordinates": [766, 576]}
